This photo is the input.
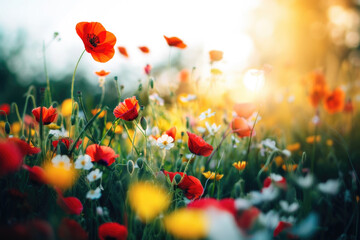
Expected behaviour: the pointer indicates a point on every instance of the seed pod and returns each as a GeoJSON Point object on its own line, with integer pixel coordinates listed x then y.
{"type": "Point", "coordinates": [7, 128]}
{"type": "Point", "coordinates": [130, 166]}
{"type": "Point", "coordinates": [140, 162]}
{"type": "Point", "coordinates": [177, 179]}
{"type": "Point", "coordinates": [62, 148]}
{"type": "Point", "coordinates": [143, 123]}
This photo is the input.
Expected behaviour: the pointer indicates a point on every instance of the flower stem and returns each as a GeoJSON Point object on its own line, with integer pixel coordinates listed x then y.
{"type": "Point", "coordinates": [250, 138]}
{"type": "Point", "coordinates": [73, 80]}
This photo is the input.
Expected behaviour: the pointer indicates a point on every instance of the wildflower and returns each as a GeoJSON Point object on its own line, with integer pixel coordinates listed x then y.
{"type": "Point", "coordinates": [66, 141]}
{"type": "Point", "coordinates": [212, 129]}
{"type": "Point", "coordinates": [198, 146]}
{"type": "Point", "coordinates": [127, 110]}
{"type": "Point", "coordinates": [4, 108]}
{"type": "Point", "coordinates": [240, 165]}
{"type": "Point", "coordinates": [279, 181]}
{"type": "Point", "coordinates": [241, 127]}
{"type": "Point", "coordinates": [312, 139]}
{"type": "Point", "coordinates": [71, 205]}
{"type": "Point", "coordinates": [24, 147]}
{"type": "Point", "coordinates": [212, 175]}
{"type": "Point", "coordinates": [171, 132]}
{"type": "Point", "coordinates": [66, 107]}
{"type": "Point", "coordinates": [94, 194]}
{"type": "Point", "coordinates": [206, 114]}
{"type": "Point", "coordinates": [102, 73]}
{"type": "Point", "coordinates": [165, 142]}
{"type": "Point", "coordinates": [144, 49]}
{"type": "Point", "coordinates": [53, 126]}
{"type": "Point", "coordinates": [289, 167]}
{"type": "Point", "coordinates": [147, 69]}
{"type": "Point", "coordinates": [266, 195]}
{"type": "Point", "coordinates": [329, 142]}
{"type": "Point", "coordinates": [96, 110]}
{"type": "Point", "coordinates": [184, 98]}
{"type": "Point", "coordinates": [36, 174]}
{"type": "Point", "coordinates": [226, 204]}
{"type": "Point", "coordinates": [293, 147]}
{"type": "Point", "coordinates": [215, 55]}
{"type": "Point", "coordinates": [97, 41]}
{"type": "Point", "coordinates": [157, 99]}
{"type": "Point", "coordinates": [101, 154]}
{"type": "Point", "coordinates": [148, 200]}
{"type": "Point", "coordinates": [15, 128]}
{"type": "Point", "coordinates": [83, 162]}
{"type": "Point", "coordinates": [184, 76]}
{"type": "Point", "coordinates": [190, 185]}
{"type": "Point", "coordinates": [244, 110]}
{"type": "Point", "coordinates": [112, 230]}
{"type": "Point", "coordinates": [305, 182]}
{"type": "Point", "coordinates": [187, 223]}
{"type": "Point", "coordinates": [48, 114]}
{"type": "Point", "coordinates": [330, 187]}
{"type": "Point", "coordinates": [11, 158]}
{"type": "Point", "coordinates": [94, 175]}
{"type": "Point", "coordinates": [123, 51]}
{"type": "Point", "coordinates": [59, 176]}
{"type": "Point", "coordinates": [247, 218]}
{"type": "Point", "coordinates": [216, 71]}
{"type": "Point", "coordinates": [335, 101]}
{"type": "Point", "coordinates": [278, 161]}
{"type": "Point", "coordinates": [70, 229]}
{"type": "Point", "coordinates": [175, 42]}
{"type": "Point", "coordinates": [349, 106]}
{"type": "Point", "coordinates": [62, 161]}
{"type": "Point", "coordinates": [118, 128]}
{"type": "Point", "coordinates": [281, 227]}
{"type": "Point", "coordinates": [318, 88]}
{"type": "Point", "coordinates": [59, 133]}
{"type": "Point", "coordinates": [289, 208]}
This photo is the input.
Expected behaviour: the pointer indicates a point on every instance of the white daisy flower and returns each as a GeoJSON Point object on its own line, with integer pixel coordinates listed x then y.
{"type": "Point", "coordinates": [83, 162]}
{"type": "Point", "coordinates": [305, 182]}
{"type": "Point", "coordinates": [61, 161]}
{"type": "Point", "coordinates": [59, 133]}
{"type": "Point", "coordinates": [331, 186]}
{"type": "Point", "coordinates": [94, 194]}
{"type": "Point", "coordinates": [270, 219]}
{"type": "Point", "coordinates": [289, 208]}
{"type": "Point", "coordinates": [188, 98]}
{"type": "Point", "coordinates": [212, 129]}
{"type": "Point", "coordinates": [165, 142]}
{"type": "Point", "coordinates": [94, 175]}
{"type": "Point", "coordinates": [157, 99]}
{"type": "Point", "coordinates": [206, 114]}
{"type": "Point", "coordinates": [201, 129]}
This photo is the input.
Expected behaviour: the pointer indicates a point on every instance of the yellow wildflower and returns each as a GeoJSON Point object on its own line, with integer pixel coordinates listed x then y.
{"type": "Point", "coordinates": [15, 128]}
{"type": "Point", "coordinates": [312, 139]}
{"type": "Point", "coordinates": [118, 129]}
{"type": "Point", "coordinates": [187, 224]}
{"type": "Point", "coordinates": [60, 176]}
{"type": "Point", "coordinates": [240, 165]}
{"type": "Point", "coordinates": [216, 71]}
{"type": "Point", "coordinates": [96, 110]}
{"type": "Point", "coordinates": [279, 161]}
{"type": "Point", "coordinates": [211, 175]}
{"type": "Point", "coordinates": [329, 142]}
{"type": "Point", "coordinates": [66, 107]}
{"type": "Point", "coordinates": [289, 167]}
{"type": "Point", "coordinates": [148, 200]}
{"type": "Point", "coordinates": [53, 126]}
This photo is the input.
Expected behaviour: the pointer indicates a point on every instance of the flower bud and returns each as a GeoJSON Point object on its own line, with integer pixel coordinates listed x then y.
{"type": "Point", "coordinates": [140, 162]}
{"type": "Point", "coordinates": [143, 123]}
{"type": "Point", "coordinates": [177, 179]}
{"type": "Point", "coordinates": [130, 166]}
{"type": "Point", "coordinates": [151, 83]}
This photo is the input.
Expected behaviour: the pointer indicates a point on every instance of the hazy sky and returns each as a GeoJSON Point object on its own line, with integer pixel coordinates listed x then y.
{"type": "Point", "coordinates": [202, 24]}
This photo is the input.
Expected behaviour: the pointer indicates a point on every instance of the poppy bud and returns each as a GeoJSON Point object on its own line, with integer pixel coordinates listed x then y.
{"type": "Point", "coordinates": [182, 133]}
{"type": "Point", "coordinates": [140, 87]}
{"type": "Point", "coordinates": [81, 123]}
{"type": "Point", "coordinates": [23, 138]}
{"type": "Point", "coordinates": [115, 78]}
{"type": "Point", "coordinates": [122, 87]}
{"type": "Point", "coordinates": [151, 83]}
{"type": "Point", "coordinates": [177, 179]}
{"type": "Point", "coordinates": [63, 122]}
{"type": "Point", "coordinates": [143, 123]}
{"type": "Point", "coordinates": [50, 135]}
{"type": "Point", "coordinates": [54, 105]}
{"type": "Point", "coordinates": [73, 120]}
{"type": "Point", "coordinates": [130, 166]}
{"type": "Point", "coordinates": [187, 122]}
{"type": "Point", "coordinates": [7, 128]}
{"type": "Point", "coordinates": [142, 107]}
{"type": "Point", "coordinates": [140, 162]}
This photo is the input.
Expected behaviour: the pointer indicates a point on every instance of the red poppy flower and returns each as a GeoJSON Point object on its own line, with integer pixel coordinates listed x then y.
{"type": "Point", "coordinates": [101, 154]}
{"type": "Point", "coordinates": [175, 42]}
{"type": "Point", "coordinates": [97, 41]}
{"type": "Point", "coordinates": [190, 185]}
{"type": "Point", "coordinates": [318, 88]}
{"type": "Point", "coordinates": [184, 76]}
{"type": "Point", "coordinates": [11, 158]}
{"type": "Point", "coordinates": [147, 69]}
{"type": "Point", "coordinates": [198, 146]}
{"type": "Point", "coordinates": [127, 110]}
{"type": "Point", "coordinates": [71, 205]}
{"type": "Point", "coordinates": [4, 108]}
{"type": "Point", "coordinates": [102, 73]}
{"type": "Point", "coordinates": [112, 230]}
{"type": "Point", "coordinates": [247, 218]}
{"type": "Point", "coordinates": [241, 127]}
{"type": "Point", "coordinates": [70, 229]}
{"type": "Point", "coordinates": [144, 49]}
{"type": "Point", "coordinates": [24, 147]}
{"type": "Point", "coordinates": [227, 204]}
{"type": "Point", "coordinates": [48, 114]}
{"type": "Point", "coordinates": [215, 55]}
{"type": "Point", "coordinates": [278, 180]}
{"type": "Point", "coordinates": [36, 174]}
{"type": "Point", "coordinates": [66, 141]}
{"type": "Point", "coordinates": [281, 227]}
{"type": "Point", "coordinates": [171, 132]}
{"type": "Point", "coordinates": [122, 51]}
{"type": "Point", "coordinates": [244, 110]}
{"type": "Point", "coordinates": [335, 101]}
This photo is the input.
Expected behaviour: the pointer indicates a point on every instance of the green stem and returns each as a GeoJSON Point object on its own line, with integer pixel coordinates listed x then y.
{"type": "Point", "coordinates": [14, 105]}
{"type": "Point", "coordinates": [73, 79]}
{"type": "Point", "coordinates": [250, 138]}
{"type": "Point", "coordinates": [127, 132]}
{"type": "Point", "coordinates": [46, 73]}
{"type": "Point", "coordinates": [25, 108]}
